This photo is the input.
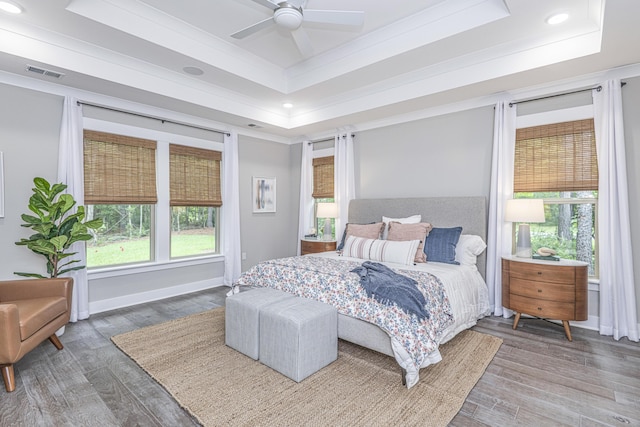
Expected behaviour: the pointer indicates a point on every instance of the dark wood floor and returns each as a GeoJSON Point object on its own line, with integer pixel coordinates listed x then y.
{"type": "Point", "coordinates": [537, 378]}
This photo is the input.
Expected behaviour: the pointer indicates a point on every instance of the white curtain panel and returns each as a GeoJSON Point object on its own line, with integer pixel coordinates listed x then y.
{"type": "Point", "coordinates": [344, 179]}
{"type": "Point", "coordinates": [499, 238]}
{"type": "Point", "coordinates": [230, 232]}
{"type": "Point", "coordinates": [305, 213]}
{"type": "Point", "coordinates": [618, 316]}
{"type": "Point", "coordinates": [71, 173]}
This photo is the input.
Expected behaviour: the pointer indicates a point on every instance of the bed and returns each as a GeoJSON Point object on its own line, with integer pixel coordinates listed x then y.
{"type": "Point", "coordinates": [463, 301]}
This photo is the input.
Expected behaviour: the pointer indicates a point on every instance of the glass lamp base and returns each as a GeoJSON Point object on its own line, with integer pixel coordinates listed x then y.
{"type": "Point", "coordinates": [326, 235]}
{"type": "Point", "coordinates": [523, 248]}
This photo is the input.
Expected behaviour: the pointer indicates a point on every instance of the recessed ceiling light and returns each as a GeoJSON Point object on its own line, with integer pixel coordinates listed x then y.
{"type": "Point", "coordinates": [10, 7]}
{"type": "Point", "coordinates": [558, 18]}
{"type": "Point", "coordinates": [287, 105]}
{"type": "Point", "coordinates": [194, 71]}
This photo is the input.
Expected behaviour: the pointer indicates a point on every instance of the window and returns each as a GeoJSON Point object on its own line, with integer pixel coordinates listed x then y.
{"type": "Point", "coordinates": [160, 201]}
{"type": "Point", "coordinates": [194, 198]}
{"type": "Point", "coordinates": [120, 188]}
{"type": "Point", "coordinates": [323, 177]}
{"type": "Point", "coordinates": [557, 163]}
{"type": "Point", "coordinates": [323, 186]}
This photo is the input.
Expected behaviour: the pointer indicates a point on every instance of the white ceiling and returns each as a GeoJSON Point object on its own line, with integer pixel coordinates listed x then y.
{"type": "Point", "coordinates": [408, 55]}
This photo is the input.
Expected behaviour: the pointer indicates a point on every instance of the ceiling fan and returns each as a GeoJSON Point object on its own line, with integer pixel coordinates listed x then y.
{"type": "Point", "coordinates": [291, 14]}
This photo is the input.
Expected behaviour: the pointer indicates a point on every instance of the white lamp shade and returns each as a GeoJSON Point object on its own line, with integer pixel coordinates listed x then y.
{"type": "Point", "coordinates": [524, 210]}
{"type": "Point", "coordinates": [327, 210]}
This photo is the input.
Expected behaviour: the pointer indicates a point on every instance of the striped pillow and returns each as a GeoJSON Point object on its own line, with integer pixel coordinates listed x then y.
{"type": "Point", "coordinates": [402, 252]}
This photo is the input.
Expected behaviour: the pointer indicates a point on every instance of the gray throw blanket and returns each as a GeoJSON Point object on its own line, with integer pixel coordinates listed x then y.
{"type": "Point", "coordinates": [389, 287]}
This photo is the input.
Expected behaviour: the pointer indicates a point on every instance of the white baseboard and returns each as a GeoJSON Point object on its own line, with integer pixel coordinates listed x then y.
{"type": "Point", "coordinates": [157, 294]}
{"type": "Point", "coordinates": [591, 323]}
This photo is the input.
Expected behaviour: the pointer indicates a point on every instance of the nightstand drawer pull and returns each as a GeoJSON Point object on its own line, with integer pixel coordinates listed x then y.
{"type": "Point", "coordinates": [539, 291]}
{"type": "Point", "coordinates": [539, 273]}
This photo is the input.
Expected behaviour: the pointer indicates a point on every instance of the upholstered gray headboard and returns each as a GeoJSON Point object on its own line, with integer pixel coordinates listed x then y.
{"type": "Point", "coordinates": [468, 212]}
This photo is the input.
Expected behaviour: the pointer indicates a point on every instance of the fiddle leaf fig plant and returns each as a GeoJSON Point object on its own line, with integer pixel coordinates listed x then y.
{"type": "Point", "coordinates": [55, 232]}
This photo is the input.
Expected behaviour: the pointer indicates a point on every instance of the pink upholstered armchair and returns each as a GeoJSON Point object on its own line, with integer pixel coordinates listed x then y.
{"type": "Point", "coordinates": [30, 311]}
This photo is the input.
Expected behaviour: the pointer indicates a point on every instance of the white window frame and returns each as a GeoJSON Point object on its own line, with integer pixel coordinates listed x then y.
{"type": "Point", "coordinates": [323, 152]}
{"type": "Point", "coordinates": [559, 116]}
{"type": "Point", "coordinates": [161, 238]}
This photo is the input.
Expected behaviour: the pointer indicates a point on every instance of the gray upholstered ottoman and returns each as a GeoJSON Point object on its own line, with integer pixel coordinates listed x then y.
{"type": "Point", "coordinates": [242, 318]}
{"type": "Point", "coordinates": [298, 336]}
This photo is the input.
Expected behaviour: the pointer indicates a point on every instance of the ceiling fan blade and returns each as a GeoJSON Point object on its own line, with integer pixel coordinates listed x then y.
{"type": "Point", "coordinates": [340, 17]}
{"type": "Point", "coordinates": [266, 3]}
{"type": "Point", "coordinates": [253, 28]}
{"type": "Point", "coordinates": [303, 42]}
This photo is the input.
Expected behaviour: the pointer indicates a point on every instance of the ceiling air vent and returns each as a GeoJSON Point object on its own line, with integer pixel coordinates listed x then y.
{"type": "Point", "coordinates": [45, 72]}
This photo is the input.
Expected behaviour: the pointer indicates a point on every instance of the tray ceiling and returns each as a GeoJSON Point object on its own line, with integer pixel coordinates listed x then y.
{"type": "Point", "coordinates": [407, 55]}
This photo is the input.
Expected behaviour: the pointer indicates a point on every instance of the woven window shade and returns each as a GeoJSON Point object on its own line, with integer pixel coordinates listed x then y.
{"type": "Point", "coordinates": [322, 177]}
{"type": "Point", "coordinates": [556, 157]}
{"type": "Point", "coordinates": [119, 169]}
{"type": "Point", "coordinates": [195, 176]}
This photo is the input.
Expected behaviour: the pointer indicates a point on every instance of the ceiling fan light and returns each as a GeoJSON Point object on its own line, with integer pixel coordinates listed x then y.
{"type": "Point", "coordinates": [10, 7]}
{"type": "Point", "coordinates": [288, 17]}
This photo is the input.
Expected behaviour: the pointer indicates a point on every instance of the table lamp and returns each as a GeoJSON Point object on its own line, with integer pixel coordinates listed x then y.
{"type": "Point", "coordinates": [524, 211]}
{"type": "Point", "coordinates": [327, 211]}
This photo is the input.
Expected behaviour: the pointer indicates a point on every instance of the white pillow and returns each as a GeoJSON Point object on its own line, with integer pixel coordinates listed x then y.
{"type": "Point", "coordinates": [468, 248]}
{"type": "Point", "coordinates": [401, 252]}
{"type": "Point", "coordinates": [414, 219]}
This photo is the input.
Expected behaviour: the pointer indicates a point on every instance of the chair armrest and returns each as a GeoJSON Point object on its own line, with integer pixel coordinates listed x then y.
{"type": "Point", "coordinates": [12, 290]}
{"type": "Point", "coordinates": [9, 333]}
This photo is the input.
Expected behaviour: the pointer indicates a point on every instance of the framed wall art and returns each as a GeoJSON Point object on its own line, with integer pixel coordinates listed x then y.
{"type": "Point", "coordinates": [263, 194]}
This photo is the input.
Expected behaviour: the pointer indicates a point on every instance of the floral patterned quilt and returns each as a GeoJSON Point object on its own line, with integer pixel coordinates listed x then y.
{"type": "Point", "coordinates": [329, 280]}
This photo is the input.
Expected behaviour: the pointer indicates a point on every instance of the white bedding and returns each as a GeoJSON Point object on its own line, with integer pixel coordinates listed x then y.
{"type": "Point", "coordinates": [468, 295]}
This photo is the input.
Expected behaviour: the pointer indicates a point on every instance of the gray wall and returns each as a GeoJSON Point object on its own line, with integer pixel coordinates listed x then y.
{"type": "Point", "coordinates": [448, 155]}
{"type": "Point", "coordinates": [29, 133]}
{"type": "Point", "coordinates": [268, 235]}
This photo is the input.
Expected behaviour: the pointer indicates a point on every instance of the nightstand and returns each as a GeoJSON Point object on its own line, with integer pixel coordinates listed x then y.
{"type": "Point", "coordinates": [545, 289]}
{"type": "Point", "coordinates": [313, 246]}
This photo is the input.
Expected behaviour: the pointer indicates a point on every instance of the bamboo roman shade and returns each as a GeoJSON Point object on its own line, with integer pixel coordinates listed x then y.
{"type": "Point", "coordinates": [323, 178]}
{"type": "Point", "coordinates": [195, 176]}
{"type": "Point", "coordinates": [119, 169]}
{"type": "Point", "coordinates": [556, 157]}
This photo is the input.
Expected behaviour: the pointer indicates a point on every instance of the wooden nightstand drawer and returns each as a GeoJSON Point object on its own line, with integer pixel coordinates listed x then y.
{"type": "Point", "coordinates": [316, 246]}
{"type": "Point", "coordinates": [543, 290]}
{"type": "Point", "coordinates": [543, 273]}
{"type": "Point", "coordinates": [542, 308]}
{"type": "Point", "coordinates": [546, 289]}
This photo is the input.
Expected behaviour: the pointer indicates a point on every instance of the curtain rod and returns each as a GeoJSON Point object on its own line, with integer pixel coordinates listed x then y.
{"type": "Point", "coordinates": [146, 116]}
{"type": "Point", "coordinates": [328, 139]}
{"type": "Point", "coordinates": [598, 88]}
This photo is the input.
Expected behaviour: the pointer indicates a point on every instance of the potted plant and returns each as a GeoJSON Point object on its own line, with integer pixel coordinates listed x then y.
{"type": "Point", "coordinates": [55, 232]}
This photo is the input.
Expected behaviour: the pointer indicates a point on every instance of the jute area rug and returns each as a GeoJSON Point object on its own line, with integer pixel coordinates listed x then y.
{"type": "Point", "coordinates": [221, 387]}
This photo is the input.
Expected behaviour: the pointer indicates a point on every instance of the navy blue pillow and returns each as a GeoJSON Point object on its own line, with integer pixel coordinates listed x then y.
{"type": "Point", "coordinates": [344, 236]}
{"type": "Point", "coordinates": [441, 245]}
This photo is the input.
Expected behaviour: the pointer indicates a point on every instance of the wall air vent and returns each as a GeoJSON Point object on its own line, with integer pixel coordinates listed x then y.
{"type": "Point", "coordinates": [45, 72]}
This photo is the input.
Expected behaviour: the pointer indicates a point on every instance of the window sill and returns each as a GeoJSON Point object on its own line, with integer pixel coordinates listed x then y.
{"type": "Point", "coordinates": [124, 270]}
